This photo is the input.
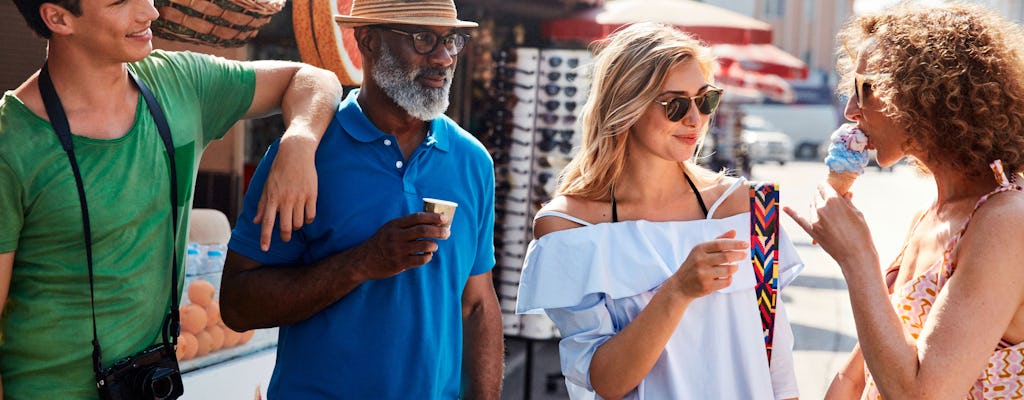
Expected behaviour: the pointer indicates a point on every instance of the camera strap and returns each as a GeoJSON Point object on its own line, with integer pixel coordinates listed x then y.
{"type": "Point", "coordinates": [59, 121]}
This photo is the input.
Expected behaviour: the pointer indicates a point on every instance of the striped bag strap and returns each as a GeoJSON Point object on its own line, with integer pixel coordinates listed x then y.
{"type": "Point", "coordinates": [764, 254]}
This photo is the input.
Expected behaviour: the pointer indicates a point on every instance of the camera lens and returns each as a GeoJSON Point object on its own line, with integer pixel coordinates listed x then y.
{"type": "Point", "coordinates": [161, 383]}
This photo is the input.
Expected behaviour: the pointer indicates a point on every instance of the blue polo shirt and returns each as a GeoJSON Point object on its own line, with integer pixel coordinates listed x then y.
{"type": "Point", "coordinates": [395, 338]}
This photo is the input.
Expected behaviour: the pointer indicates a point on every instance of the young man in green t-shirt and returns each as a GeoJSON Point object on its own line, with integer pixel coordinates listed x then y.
{"type": "Point", "coordinates": [45, 351]}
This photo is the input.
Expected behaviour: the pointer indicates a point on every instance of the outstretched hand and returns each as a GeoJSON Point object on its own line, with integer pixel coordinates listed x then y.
{"type": "Point", "coordinates": [711, 265]}
{"type": "Point", "coordinates": [290, 190]}
{"type": "Point", "coordinates": [836, 225]}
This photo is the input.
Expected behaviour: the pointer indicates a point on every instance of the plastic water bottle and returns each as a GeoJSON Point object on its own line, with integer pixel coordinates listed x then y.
{"type": "Point", "coordinates": [195, 259]}
{"type": "Point", "coordinates": [215, 255]}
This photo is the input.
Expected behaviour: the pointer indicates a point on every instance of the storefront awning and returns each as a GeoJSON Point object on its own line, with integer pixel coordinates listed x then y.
{"type": "Point", "coordinates": [712, 24]}
{"type": "Point", "coordinates": [762, 58]}
{"type": "Point", "coordinates": [743, 86]}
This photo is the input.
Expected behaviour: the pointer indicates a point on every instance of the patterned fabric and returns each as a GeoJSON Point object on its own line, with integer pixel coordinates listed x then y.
{"type": "Point", "coordinates": [764, 254]}
{"type": "Point", "coordinates": [1003, 377]}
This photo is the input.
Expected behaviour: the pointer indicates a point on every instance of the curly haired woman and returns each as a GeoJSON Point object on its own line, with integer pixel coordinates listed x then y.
{"type": "Point", "coordinates": [637, 260]}
{"type": "Point", "coordinates": [943, 86]}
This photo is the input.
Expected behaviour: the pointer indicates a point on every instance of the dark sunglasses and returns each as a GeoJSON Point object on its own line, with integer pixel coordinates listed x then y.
{"type": "Point", "coordinates": [556, 61]}
{"type": "Point", "coordinates": [504, 56]}
{"type": "Point", "coordinates": [550, 118]}
{"type": "Point", "coordinates": [510, 72]}
{"type": "Point", "coordinates": [549, 134]}
{"type": "Point", "coordinates": [426, 42]}
{"type": "Point", "coordinates": [706, 102]}
{"type": "Point", "coordinates": [552, 89]}
{"type": "Point", "coordinates": [552, 105]}
{"type": "Point", "coordinates": [550, 143]}
{"type": "Point", "coordinates": [862, 85]}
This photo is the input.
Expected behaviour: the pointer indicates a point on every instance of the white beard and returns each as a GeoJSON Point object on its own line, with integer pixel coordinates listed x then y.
{"type": "Point", "coordinates": [399, 82]}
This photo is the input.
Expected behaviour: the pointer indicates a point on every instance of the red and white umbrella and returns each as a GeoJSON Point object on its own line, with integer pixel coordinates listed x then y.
{"type": "Point", "coordinates": [741, 85]}
{"type": "Point", "coordinates": [761, 58]}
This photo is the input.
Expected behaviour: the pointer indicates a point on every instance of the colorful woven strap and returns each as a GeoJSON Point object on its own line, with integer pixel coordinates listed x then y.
{"type": "Point", "coordinates": [764, 254]}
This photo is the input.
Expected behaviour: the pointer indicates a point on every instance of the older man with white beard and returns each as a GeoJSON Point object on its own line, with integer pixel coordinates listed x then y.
{"type": "Point", "coordinates": [375, 299]}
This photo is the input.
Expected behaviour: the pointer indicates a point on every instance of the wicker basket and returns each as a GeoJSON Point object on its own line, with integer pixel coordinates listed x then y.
{"type": "Point", "coordinates": [219, 23]}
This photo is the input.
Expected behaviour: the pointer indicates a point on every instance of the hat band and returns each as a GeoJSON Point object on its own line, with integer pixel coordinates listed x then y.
{"type": "Point", "coordinates": [394, 11]}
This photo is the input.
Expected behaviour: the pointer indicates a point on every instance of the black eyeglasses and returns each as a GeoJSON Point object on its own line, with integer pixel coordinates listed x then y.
{"type": "Point", "coordinates": [426, 42]}
{"type": "Point", "coordinates": [862, 85]}
{"type": "Point", "coordinates": [706, 103]}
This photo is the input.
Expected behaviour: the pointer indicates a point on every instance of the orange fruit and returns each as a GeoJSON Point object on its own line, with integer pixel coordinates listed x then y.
{"type": "Point", "coordinates": [246, 336]}
{"type": "Point", "coordinates": [201, 292]}
{"type": "Point", "coordinates": [217, 335]}
{"type": "Point", "coordinates": [187, 346]}
{"type": "Point", "coordinates": [205, 342]}
{"type": "Point", "coordinates": [193, 318]}
{"type": "Point", "coordinates": [213, 314]}
{"type": "Point", "coordinates": [325, 44]}
{"type": "Point", "coordinates": [231, 338]}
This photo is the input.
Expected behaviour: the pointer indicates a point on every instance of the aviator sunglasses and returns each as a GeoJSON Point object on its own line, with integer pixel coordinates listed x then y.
{"type": "Point", "coordinates": [862, 85]}
{"type": "Point", "coordinates": [706, 102]}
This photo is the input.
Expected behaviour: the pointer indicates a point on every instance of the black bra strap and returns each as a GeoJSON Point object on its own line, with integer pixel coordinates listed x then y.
{"type": "Point", "coordinates": [700, 200]}
{"type": "Point", "coordinates": [615, 210]}
{"type": "Point", "coordinates": [59, 121]}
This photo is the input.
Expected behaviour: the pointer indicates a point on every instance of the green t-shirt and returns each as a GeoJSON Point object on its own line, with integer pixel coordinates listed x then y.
{"type": "Point", "coordinates": [47, 328]}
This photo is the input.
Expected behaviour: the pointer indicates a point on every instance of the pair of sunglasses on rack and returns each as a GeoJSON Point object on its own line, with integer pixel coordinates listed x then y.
{"type": "Point", "coordinates": [677, 107]}
{"type": "Point", "coordinates": [556, 61]}
{"type": "Point", "coordinates": [425, 42]}
{"type": "Point", "coordinates": [569, 76]}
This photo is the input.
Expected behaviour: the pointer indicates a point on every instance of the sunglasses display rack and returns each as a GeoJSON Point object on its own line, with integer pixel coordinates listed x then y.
{"type": "Point", "coordinates": [530, 130]}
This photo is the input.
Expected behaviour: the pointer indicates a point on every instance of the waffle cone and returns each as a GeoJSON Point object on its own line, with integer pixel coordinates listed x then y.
{"type": "Point", "coordinates": [842, 181]}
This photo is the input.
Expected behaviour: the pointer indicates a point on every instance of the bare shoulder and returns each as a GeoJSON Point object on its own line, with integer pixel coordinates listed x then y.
{"type": "Point", "coordinates": [992, 243]}
{"type": "Point", "coordinates": [735, 202]}
{"type": "Point", "coordinates": [1001, 219]}
{"type": "Point", "coordinates": [587, 210]}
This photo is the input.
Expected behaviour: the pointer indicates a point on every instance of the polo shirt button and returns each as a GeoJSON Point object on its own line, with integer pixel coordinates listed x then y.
{"type": "Point", "coordinates": [387, 142]}
{"type": "Point", "coordinates": [398, 164]}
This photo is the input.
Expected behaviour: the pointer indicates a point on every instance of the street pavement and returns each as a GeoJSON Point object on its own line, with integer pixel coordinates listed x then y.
{"type": "Point", "coordinates": [817, 302]}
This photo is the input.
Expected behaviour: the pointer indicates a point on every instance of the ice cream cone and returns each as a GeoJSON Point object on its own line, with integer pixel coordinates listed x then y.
{"type": "Point", "coordinates": [842, 181]}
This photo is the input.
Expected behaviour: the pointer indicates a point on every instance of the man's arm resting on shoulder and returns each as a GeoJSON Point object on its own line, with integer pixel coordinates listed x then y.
{"type": "Point", "coordinates": [6, 270]}
{"type": "Point", "coordinates": [483, 341]}
{"type": "Point", "coordinates": [307, 98]}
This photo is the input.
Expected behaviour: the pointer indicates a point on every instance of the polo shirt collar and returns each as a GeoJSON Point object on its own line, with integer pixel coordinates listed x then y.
{"type": "Point", "coordinates": [357, 125]}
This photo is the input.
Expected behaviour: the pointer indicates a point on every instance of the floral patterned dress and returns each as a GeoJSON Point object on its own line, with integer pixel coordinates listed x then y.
{"type": "Point", "coordinates": [1003, 377]}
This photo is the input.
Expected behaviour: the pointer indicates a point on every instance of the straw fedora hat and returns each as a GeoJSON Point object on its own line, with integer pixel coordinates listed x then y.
{"type": "Point", "coordinates": [405, 12]}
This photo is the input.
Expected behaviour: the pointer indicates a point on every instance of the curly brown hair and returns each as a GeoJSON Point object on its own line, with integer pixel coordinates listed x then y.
{"type": "Point", "coordinates": [955, 83]}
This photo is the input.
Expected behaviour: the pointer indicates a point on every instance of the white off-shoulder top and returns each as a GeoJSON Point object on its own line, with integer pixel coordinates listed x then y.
{"type": "Point", "coordinates": [593, 280]}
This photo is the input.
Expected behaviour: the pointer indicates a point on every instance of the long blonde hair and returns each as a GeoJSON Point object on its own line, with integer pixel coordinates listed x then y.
{"type": "Point", "coordinates": [629, 69]}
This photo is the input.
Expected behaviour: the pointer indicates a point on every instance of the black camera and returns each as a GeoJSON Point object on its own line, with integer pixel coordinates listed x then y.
{"type": "Point", "coordinates": [151, 374]}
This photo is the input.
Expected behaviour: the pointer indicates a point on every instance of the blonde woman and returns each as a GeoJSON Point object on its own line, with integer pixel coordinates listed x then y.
{"type": "Point", "coordinates": [944, 86]}
{"type": "Point", "coordinates": [642, 261]}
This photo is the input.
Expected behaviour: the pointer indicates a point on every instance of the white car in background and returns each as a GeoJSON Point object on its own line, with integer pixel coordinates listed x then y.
{"type": "Point", "coordinates": [764, 142]}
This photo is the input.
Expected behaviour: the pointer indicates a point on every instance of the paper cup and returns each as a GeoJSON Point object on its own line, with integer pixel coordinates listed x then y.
{"type": "Point", "coordinates": [443, 207]}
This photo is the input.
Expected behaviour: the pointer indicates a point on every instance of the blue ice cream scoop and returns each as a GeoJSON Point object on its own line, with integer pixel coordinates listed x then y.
{"type": "Point", "coordinates": [847, 152]}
